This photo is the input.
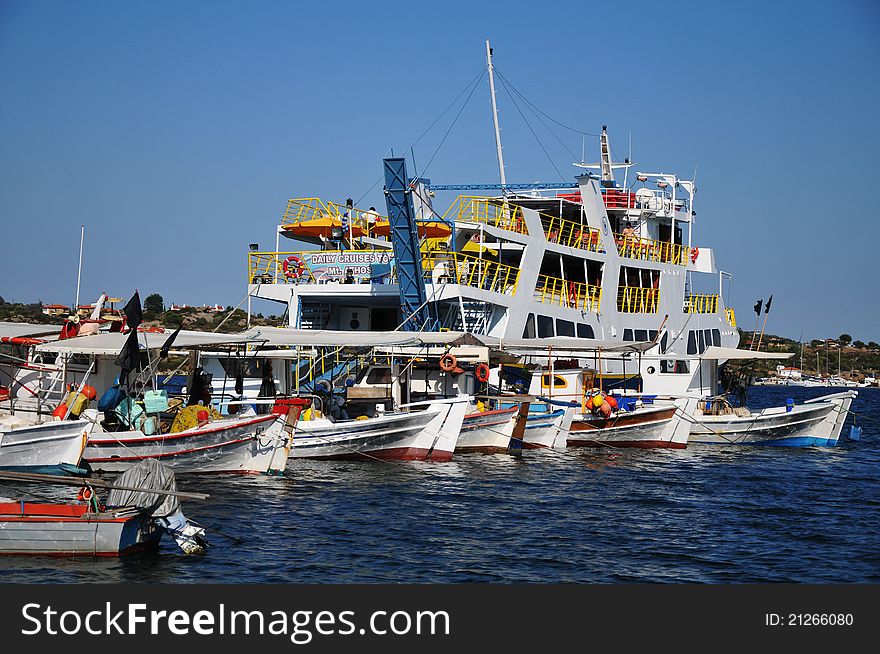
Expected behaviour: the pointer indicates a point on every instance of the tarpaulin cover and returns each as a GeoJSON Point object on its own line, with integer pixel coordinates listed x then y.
{"type": "Point", "coordinates": [149, 475]}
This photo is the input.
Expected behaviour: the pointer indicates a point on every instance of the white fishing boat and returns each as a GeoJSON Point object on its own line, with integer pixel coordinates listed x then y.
{"type": "Point", "coordinates": [430, 434]}
{"type": "Point", "coordinates": [247, 445]}
{"type": "Point", "coordinates": [548, 425]}
{"type": "Point", "coordinates": [655, 425]}
{"type": "Point", "coordinates": [816, 422]}
{"type": "Point", "coordinates": [494, 431]}
{"type": "Point", "coordinates": [50, 447]}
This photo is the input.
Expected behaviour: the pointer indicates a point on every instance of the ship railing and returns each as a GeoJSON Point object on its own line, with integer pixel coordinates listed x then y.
{"type": "Point", "coordinates": [731, 316]}
{"type": "Point", "coordinates": [643, 249]}
{"type": "Point", "coordinates": [488, 211]}
{"type": "Point", "coordinates": [468, 270]}
{"type": "Point", "coordinates": [269, 268]}
{"type": "Point", "coordinates": [634, 299]}
{"type": "Point", "coordinates": [576, 295]}
{"type": "Point", "coordinates": [701, 303]}
{"type": "Point", "coordinates": [570, 234]}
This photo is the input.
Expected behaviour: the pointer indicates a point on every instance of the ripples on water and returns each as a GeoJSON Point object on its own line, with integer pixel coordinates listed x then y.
{"type": "Point", "coordinates": [704, 514]}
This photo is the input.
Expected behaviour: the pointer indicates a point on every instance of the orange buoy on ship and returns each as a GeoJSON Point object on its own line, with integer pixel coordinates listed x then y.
{"type": "Point", "coordinates": [482, 372]}
{"type": "Point", "coordinates": [448, 362]}
{"type": "Point", "coordinates": [89, 392]}
{"type": "Point", "coordinates": [60, 411]}
{"type": "Point", "coordinates": [611, 402]}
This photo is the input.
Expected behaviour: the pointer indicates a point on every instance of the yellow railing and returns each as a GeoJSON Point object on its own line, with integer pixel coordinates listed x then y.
{"type": "Point", "coordinates": [467, 270]}
{"type": "Point", "coordinates": [302, 209]}
{"type": "Point", "coordinates": [571, 234]}
{"type": "Point", "coordinates": [701, 303]}
{"type": "Point", "coordinates": [577, 295]}
{"type": "Point", "coordinates": [645, 249]}
{"type": "Point", "coordinates": [632, 299]}
{"type": "Point", "coordinates": [731, 316]}
{"type": "Point", "coordinates": [489, 211]}
{"type": "Point", "coordinates": [268, 268]}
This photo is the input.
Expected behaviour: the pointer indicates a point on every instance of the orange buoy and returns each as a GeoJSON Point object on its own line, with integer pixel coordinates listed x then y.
{"type": "Point", "coordinates": [89, 392]}
{"type": "Point", "coordinates": [611, 402]}
{"type": "Point", "coordinates": [60, 411]}
{"type": "Point", "coordinates": [202, 416]}
{"type": "Point", "coordinates": [448, 362]}
{"type": "Point", "coordinates": [482, 372]}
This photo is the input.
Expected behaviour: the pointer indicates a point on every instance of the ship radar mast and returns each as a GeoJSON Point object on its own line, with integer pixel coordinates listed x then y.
{"type": "Point", "coordinates": [606, 166]}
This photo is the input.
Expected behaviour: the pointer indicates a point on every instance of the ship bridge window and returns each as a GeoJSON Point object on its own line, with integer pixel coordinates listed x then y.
{"type": "Point", "coordinates": [641, 334]}
{"type": "Point", "coordinates": [628, 335]}
{"type": "Point", "coordinates": [545, 327]}
{"type": "Point", "coordinates": [558, 381]}
{"type": "Point", "coordinates": [701, 340]}
{"type": "Point", "coordinates": [716, 337]}
{"type": "Point", "coordinates": [692, 342]}
{"type": "Point", "coordinates": [529, 330]}
{"type": "Point", "coordinates": [664, 343]}
{"type": "Point", "coordinates": [564, 328]}
{"type": "Point", "coordinates": [652, 335]}
{"type": "Point", "coordinates": [585, 331]}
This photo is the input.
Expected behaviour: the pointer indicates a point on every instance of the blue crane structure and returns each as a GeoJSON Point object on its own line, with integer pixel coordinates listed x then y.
{"type": "Point", "coordinates": [418, 313]}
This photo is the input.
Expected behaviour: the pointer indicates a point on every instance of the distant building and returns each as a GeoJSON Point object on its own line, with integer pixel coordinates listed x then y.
{"type": "Point", "coordinates": [213, 308]}
{"type": "Point", "coordinates": [55, 309]}
{"type": "Point", "coordinates": [85, 309]}
{"type": "Point", "coordinates": [788, 373]}
{"type": "Point", "coordinates": [178, 307]}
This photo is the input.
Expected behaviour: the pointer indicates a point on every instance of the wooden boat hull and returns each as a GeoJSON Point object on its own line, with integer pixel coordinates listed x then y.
{"type": "Point", "coordinates": [69, 530]}
{"type": "Point", "coordinates": [548, 428]}
{"type": "Point", "coordinates": [487, 432]}
{"type": "Point", "coordinates": [817, 422]}
{"type": "Point", "coordinates": [429, 435]}
{"type": "Point", "coordinates": [253, 445]}
{"type": "Point", "coordinates": [47, 447]}
{"type": "Point", "coordinates": [647, 427]}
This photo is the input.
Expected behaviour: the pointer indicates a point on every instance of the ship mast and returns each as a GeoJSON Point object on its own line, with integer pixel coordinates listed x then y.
{"type": "Point", "coordinates": [605, 161]}
{"type": "Point", "coordinates": [495, 117]}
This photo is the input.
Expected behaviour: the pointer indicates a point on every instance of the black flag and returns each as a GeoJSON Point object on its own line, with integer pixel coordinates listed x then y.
{"type": "Point", "coordinates": [767, 306]}
{"type": "Point", "coordinates": [134, 315]}
{"type": "Point", "coordinates": [758, 307]}
{"type": "Point", "coordinates": [163, 353]}
{"type": "Point", "coordinates": [129, 356]}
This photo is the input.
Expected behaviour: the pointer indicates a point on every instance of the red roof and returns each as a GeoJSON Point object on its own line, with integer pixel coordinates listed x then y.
{"type": "Point", "coordinates": [55, 306]}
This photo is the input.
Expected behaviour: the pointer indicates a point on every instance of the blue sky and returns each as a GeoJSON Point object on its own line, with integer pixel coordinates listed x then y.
{"type": "Point", "coordinates": [177, 131]}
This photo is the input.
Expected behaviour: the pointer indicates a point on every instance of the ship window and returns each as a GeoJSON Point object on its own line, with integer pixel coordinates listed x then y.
{"type": "Point", "coordinates": [379, 376]}
{"type": "Point", "coordinates": [641, 334]}
{"type": "Point", "coordinates": [692, 342]}
{"type": "Point", "coordinates": [545, 327]}
{"type": "Point", "coordinates": [702, 341]}
{"type": "Point", "coordinates": [585, 331]}
{"type": "Point", "coordinates": [529, 331]}
{"type": "Point", "coordinates": [708, 335]}
{"type": "Point", "coordinates": [564, 328]}
{"type": "Point", "coordinates": [558, 381]}
{"type": "Point", "coordinates": [652, 335]}
{"type": "Point", "coordinates": [674, 367]}
{"type": "Point", "coordinates": [627, 334]}
{"type": "Point", "coordinates": [664, 342]}
{"type": "Point", "coordinates": [716, 337]}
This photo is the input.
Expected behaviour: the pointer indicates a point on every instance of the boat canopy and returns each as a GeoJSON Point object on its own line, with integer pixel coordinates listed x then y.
{"type": "Point", "coordinates": [111, 343]}
{"type": "Point", "coordinates": [285, 337]}
{"type": "Point", "coordinates": [27, 330]}
{"type": "Point", "coordinates": [716, 352]}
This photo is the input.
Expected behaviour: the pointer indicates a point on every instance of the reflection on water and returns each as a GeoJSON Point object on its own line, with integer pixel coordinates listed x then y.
{"type": "Point", "coordinates": [704, 514]}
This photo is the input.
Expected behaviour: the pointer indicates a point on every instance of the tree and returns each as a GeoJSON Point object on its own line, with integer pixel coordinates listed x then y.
{"type": "Point", "coordinates": [873, 346]}
{"type": "Point", "coordinates": [154, 303]}
{"type": "Point", "coordinates": [845, 339]}
{"type": "Point", "coordinates": [815, 342]}
{"type": "Point", "coordinates": [859, 344]}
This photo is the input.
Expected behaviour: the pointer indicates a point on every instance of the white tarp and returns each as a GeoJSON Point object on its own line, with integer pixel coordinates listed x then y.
{"type": "Point", "coordinates": [27, 330]}
{"type": "Point", "coordinates": [287, 337]}
{"type": "Point", "coordinates": [111, 344]}
{"type": "Point", "coordinates": [716, 352]}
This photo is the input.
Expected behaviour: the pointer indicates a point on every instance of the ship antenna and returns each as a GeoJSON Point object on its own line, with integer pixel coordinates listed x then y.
{"type": "Point", "coordinates": [495, 118]}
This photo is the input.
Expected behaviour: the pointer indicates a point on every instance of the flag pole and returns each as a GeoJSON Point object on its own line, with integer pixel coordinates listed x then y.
{"type": "Point", "coordinates": [766, 313]}
{"type": "Point", "coordinates": [82, 236]}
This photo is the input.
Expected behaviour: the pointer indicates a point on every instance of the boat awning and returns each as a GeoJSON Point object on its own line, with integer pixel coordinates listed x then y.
{"type": "Point", "coordinates": [27, 330]}
{"type": "Point", "coordinates": [285, 337]}
{"type": "Point", "coordinates": [716, 352]}
{"type": "Point", "coordinates": [540, 346]}
{"type": "Point", "coordinates": [111, 344]}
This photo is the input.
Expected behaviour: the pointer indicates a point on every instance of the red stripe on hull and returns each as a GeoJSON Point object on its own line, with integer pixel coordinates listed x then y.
{"type": "Point", "coordinates": [642, 444]}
